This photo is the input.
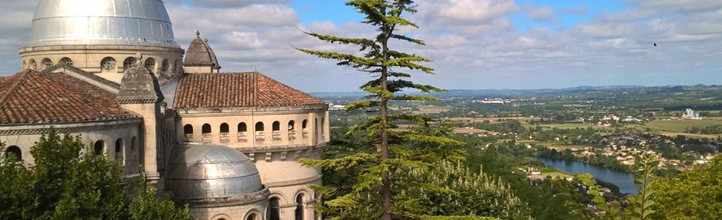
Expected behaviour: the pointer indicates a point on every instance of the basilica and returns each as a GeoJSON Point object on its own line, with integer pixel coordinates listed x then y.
{"type": "Point", "coordinates": [227, 144]}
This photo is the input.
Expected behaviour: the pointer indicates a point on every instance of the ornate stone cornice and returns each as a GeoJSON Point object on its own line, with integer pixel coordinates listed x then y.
{"type": "Point", "coordinates": [228, 201]}
{"type": "Point", "coordinates": [294, 182]}
{"type": "Point", "coordinates": [35, 129]}
{"type": "Point", "coordinates": [278, 148]}
{"type": "Point", "coordinates": [137, 101]}
{"type": "Point", "coordinates": [204, 112]}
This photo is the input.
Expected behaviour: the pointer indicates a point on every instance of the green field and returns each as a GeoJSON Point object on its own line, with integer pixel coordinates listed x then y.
{"type": "Point", "coordinates": [680, 126]}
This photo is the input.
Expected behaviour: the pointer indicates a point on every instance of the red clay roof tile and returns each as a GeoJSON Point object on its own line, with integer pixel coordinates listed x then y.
{"type": "Point", "coordinates": [35, 97]}
{"type": "Point", "coordinates": [229, 90]}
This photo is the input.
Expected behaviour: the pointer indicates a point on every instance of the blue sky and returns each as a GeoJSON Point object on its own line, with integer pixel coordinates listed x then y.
{"type": "Point", "coordinates": [475, 44]}
{"type": "Point", "coordinates": [331, 10]}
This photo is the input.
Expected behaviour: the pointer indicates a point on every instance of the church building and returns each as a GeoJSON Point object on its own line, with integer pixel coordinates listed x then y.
{"type": "Point", "coordinates": [227, 144]}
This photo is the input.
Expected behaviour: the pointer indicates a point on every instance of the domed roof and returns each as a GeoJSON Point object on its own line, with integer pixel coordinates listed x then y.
{"type": "Point", "coordinates": [203, 172]}
{"type": "Point", "coordinates": [102, 22]}
{"type": "Point", "coordinates": [199, 53]}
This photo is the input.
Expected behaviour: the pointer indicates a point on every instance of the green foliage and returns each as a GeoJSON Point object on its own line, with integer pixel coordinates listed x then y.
{"type": "Point", "coordinates": [579, 192]}
{"type": "Point", "coordinates": [539, 196]}
{"type": "Point", "coordinates": [695, 194]}
{"type": "Point", "coordinates": [641, 204]}
{"type": "Point", "coordinates": [464, 192]}
{"type": "Point", "coordinates": [65, 182]}
{"type": "Point", "coordinates": [396, 152]}
{"type": "Point", "coordinates": [146, 205]}
{"type": "Point", "coordinates": [13, 184]}
{"type": "Point", "coordinates": [455, 218]}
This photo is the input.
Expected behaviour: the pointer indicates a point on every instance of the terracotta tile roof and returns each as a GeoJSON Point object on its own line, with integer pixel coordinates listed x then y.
{"type": "Point", "coordinates": [35, 97]}
{"type": "Point", "coordinates": [227, 90]}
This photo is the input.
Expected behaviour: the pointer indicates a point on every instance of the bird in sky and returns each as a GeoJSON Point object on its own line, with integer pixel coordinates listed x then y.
{"type": "Point", "coordinates": [655, 44]}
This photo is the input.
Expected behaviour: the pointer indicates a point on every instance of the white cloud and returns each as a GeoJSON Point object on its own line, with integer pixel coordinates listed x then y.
{"type": "Point", "coordinates": [473, 43]}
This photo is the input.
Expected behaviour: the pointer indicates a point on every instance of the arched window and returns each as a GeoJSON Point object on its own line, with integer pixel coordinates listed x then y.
{"type": "Point", "coordinates": [99, 147]}
{"type": "Point", "coordinates": [33, 65]}
{"type": "Point", "coordinates": [291, 125]}
{"type": "Point", "coordinates": [322, 125]}
{"type": "Point", "coordinates": [128, 62]}
{"type": "Point", "coordinates": [133, 143]}
{"type": "Point", "coordinates": [242, 127]}
{"type": "Point", "coordinates": [107, 64]}
{"type": "Point", "coordinates": [299, 207]}
{"type": "Point", "coordinates": [274, 209]}
{"type": "Point", "coordinates": [304, 124]}
{"type": "Point", "coordinates": [206, 129]}
{"type": "Point", "coordinates": [188, 131]}
{"type": "Point", "coordinates": [47, 63]}
{"type": "Point", "coordinates": [251, 217]}
{"type": "Point", "coordinates": [164, 66]}
{"type": "Point", "coordinates": [259, 126]}
{"type": "Point", "coordinates": [276, 126]}
{"type": "Point", "coordinates": [150, 64]}
{"type": "Point", "coordinates": [119, 150]}
{"type": "Point", "coordinates": [176, 66]}
{"type": "Point", "coordinates": [66, 61]}
{"type": "Point", "coordinates": [14, 151]}
{"type": "Point", "coordinates": [224, 128]}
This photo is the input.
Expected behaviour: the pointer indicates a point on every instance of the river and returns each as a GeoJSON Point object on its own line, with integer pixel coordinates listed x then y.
{"type": "Point", "coordinates": [624, 181]}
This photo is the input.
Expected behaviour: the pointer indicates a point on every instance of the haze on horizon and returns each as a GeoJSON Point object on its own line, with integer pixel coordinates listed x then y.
{"type": "Point", "coordinates": [475, 44]}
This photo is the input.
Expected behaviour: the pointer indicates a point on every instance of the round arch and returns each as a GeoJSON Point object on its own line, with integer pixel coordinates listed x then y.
{"type": "Point", "coordinates": [120, 151]}
{"type": "Point", "coordinates": [206, 129]}
{"type": "Point", "coordinates": [107, 64]}
{"type": "Point", "coordinates": [47, 63]}
{"type": "Point", "coordinates": [149, 64]}
{"type": "Point", "coordinates": [128, 62]}
{"type": "Point", "coordinates": [222, 216]}
{"type": "Point", "coordinates": [252, 214]}
{"type": "Point", "coordinates": [164, 66]}
{"type": "Point", "coordinates": [14, 151]}
{"type": "Point", "coordinates": [33, 65]}
{"type": "Point", "coordinates": [225, 128]}
{"type": "Point", "coordinates": [65, 61]}
{"type": "Point", "coordinates": [99, 147]}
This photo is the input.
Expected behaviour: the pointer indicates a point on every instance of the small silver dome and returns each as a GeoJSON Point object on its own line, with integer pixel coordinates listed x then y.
{"type": "Point", "coordinates": [102, 22]}
{"type": "Point", "coordinates": [202, 172]}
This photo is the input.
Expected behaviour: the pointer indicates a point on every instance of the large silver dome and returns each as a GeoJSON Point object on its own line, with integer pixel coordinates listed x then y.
{"type": "Point", "coordinates": [102, 22]}
{"type": "Point", "coordinates": [203, 172]}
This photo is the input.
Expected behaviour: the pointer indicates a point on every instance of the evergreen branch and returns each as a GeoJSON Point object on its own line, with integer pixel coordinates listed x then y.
{"type": "Point", "coordinates": [344, 59]}
{"type": "Point", "coordinates": [361, 105]}
{"type": "Point", "coordinates": [406, 38]}
{"type": "Point", "coordinates": [435, 140]}
{"type": "Point", "coordinates": [363, 42]}
{"type": "Point", "coordinates": [411, 118]}
{"type": "Point", "coordinates": [416, 98]}
{"type": "Point", "coordinates": [341, 163]}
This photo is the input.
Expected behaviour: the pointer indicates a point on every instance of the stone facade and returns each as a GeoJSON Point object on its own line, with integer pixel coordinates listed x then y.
{"type": "Point", "coordinates": [98, 58]}
{"type": "Point", "coordinates": [111, 95]}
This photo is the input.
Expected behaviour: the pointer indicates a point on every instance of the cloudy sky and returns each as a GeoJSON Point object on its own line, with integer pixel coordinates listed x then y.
{"type": "Point", "coordinates": [475, 44]}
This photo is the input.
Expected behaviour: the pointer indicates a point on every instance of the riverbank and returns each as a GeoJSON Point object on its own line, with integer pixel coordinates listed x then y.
{"type": "Point", "coordinates": [555, 173]}
{"type": "Point", "coordinates": [607, 177]}
{"type": "Point", "coordinates": [599, 160]}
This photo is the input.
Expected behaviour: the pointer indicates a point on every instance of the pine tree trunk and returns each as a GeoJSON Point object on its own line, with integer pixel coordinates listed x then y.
{"type": "Point", "coordinates": [385, 179]}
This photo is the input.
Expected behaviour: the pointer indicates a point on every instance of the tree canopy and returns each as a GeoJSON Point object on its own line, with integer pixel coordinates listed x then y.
{"type": "Point", "coordinates": [68, 182]}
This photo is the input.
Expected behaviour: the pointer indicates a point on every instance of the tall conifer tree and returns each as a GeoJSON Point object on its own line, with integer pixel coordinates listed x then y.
{"type": "Point", "coordinates": [396, 151]}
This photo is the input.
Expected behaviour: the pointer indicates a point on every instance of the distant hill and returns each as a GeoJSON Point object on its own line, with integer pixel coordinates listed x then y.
{"type": "Point", "coordinates": [512, 93]}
